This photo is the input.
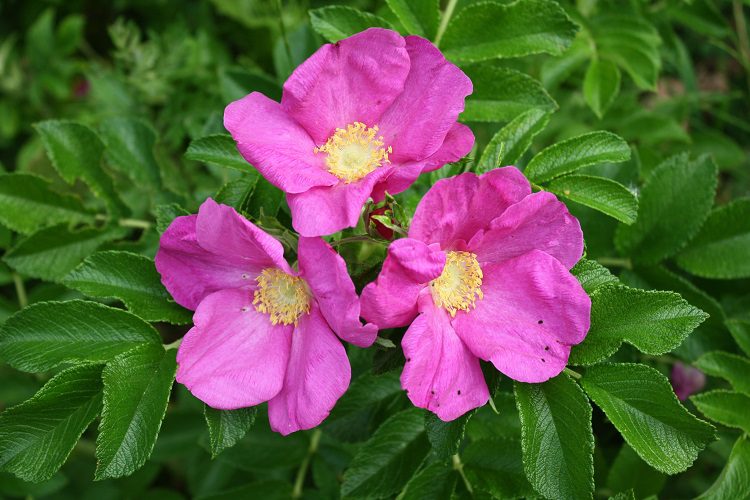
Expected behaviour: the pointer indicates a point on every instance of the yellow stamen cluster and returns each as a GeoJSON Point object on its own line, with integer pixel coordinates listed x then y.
{"type": "Point", "coordinates": [282, 296]}
{"type": "Point", "coordinates": [459, 285]}
{"type": "Point", "coordinates": [354, 151]}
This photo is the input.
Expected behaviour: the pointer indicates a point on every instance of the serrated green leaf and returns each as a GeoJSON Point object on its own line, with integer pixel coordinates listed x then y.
{"type": "Point", "coordinates": [735, 477]}
{"type": "Point", "coordinates": [674, 202]}
{"type": "Point", "coordinates": [419, 17]}
{"type": "Point", "coordinates": [266, 199]}
{"type": "Point", "coordinates": [445, 437]}
{"type": "Point", "coordinates": [131, 278]}
{"type": "Point", "coordinates": [740, 330]}
{"type": "Point", "coordinates": [219, 150]}
{"type": "Point", "coordinates": [640, 403]}
{"type": "Point", "coordinates": [488, 30]}
{"type": "Point", "coordinates": [37, 436]}
{"type": "Point", "coordinates": [591, 275]}
{"type": "Point", "coordinates": [53, 252]}
{"type": "Point", "coordinates": [575, 153]}
{"type": "Point", "coordinates": [721, 249]}
{"type": "Point", "coordinates": [601, 85]}
{"type": "Point", "coordinates": [728, 366]}
{"type": "Point", "coordinates": [130, 150]}
{"type": "Point", "coordinates": [137, 384]}
{"type": "Point", "coordinates": [76, 152]}
{"type": "Point", "coordinates": [165, 214]}
{"type": "Point", "coordinates": [337, 22]}
{"type": "Point", "coordinates": [226, 427]}
{"type": "Point", "coordinates": [495, 466]}
{"type": "Point", "coordinates": [501, 94]}
{"type": "Point", "coordinates": [510, 142]}
{"type": "Point", "coordinates": [557, 440]}
{"type": "Point", "coordinates": [436, 481]}
{"type": "Point", "coordinates": [632, 43]}
{"type": "Point", "coordinates": [726, 407]}
{"type": "Point", "coordinates": [654, 322]}
{"type": "Point", "coordinates": [47, 334]}
{"type": "Point", "coordinates": [27, 203]}
{"type": "Point", "coordinates": [239, 192]}
{"type": "Point", "coordinates": [630, 472]}
{"type": "Point", "coordinates": [386, 462]}
{"type": "Point", "coordinates": [602, 194]}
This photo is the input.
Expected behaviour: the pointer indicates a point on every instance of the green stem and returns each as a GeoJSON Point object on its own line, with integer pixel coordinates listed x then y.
{"type": "Point", "coordinates": [573, 373]}
{"type": "Point", "coordinates": [299, 482]}
{"type": "Point", "coordinates": [459, 467]}
{"type": "Point", "coordinates": [446, 17]}
{"type": "Point", "coordinates": [136, 223]}
{"type": "Point", "coordinates": [23, 300]}
{"type": "Point", "coordinates": [615, 262]}
{"type": "Point", "coordinates": [173, 345]}
{"type": "Point", "coordinates": [284, 36]}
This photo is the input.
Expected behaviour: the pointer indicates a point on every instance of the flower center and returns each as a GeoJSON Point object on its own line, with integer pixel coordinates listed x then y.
{"type": "Point", "coordinates": [458, 287]}
{"type": "Point", "coordinates": [282, 296]}
{"type": "Point", "coordinates": [354, 152]}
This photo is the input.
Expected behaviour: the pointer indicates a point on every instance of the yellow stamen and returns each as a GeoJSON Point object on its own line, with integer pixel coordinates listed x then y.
{"type": "Point", "coordinates": [354, 152]}
{"type": "Point", "coordinates": [459, 286]}
{"type": "Point", "coordinates": [282, 296]}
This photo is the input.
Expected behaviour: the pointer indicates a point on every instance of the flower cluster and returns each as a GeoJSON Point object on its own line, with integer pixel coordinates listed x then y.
{"type": "Point", "coordinates": [482, 275]}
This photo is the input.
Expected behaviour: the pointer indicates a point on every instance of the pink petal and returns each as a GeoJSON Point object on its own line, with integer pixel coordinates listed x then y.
{"type": "Point", "coordinates": [190, 272]}
{"type": "Point", "coordinates": [440, 373]}
{"type": "Point", "coordinates": [327, 210]}
{"type": "Point", "coordinates": [391, 300]}
{"type": "Point", "coordinates": [236, 240]}
{"type": "Point", "coordinates": [325, 273]}
{"type": "Point", "coordinates": [539, 221]}
{"type": "Point", "coordinates": [458, 143]}
{"type": "Point", "coordinates": [275, 144]}
{"type": "Point", "coordinates": [686, 380]}
{"type": "Point", "coordinates": [457, 208]}
{"type": "Point", "coordinates": [532, 312]}
{"type": "Point", "coordinates": [416, 124]}
{"type": "Point", "coordinates": [355, 79]}
{"type": "Point", "coordinates": [318, 374]}
{"type": "Point", "coordinates": [233, 357]}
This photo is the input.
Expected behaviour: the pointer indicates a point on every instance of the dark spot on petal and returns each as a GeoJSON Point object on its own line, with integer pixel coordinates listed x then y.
{"type": "Point", "coordinates": [546, 348]}
{"type": "Point", "coordinates": [540, 321]}
{"type": "Point", "coordinates": [432, 392]}
{"type": "Point", "coordinates": [459, 392]}
{"type": "Point", "coordinates": [543, 361]}
{"type": "Point", "coordinates": [408, 359]}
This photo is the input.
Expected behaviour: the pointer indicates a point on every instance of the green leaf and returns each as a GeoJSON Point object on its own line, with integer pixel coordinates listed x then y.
{"type": "Point", "coordinates": [76, 152]}
{"type": "Point", "coordinates": [602, 194]}
{"type": "Point", "coordinates": [337, 22]}
{"type": "Point", "coordinates": [165, 214]}
{"type": "Point", "coordinates": [385, 463]}
{"type": "Point", "coordinates": [27, 203]}
{"type": "Point", "coordinates": [419, 17]}
{"type": "Point", "coordinates": [632, 43]}
{"type": "Point", "coordinates": [487, 30]}
{"type": "Point", "coordinates": [219, 150]}
{"type": "Point", "coordinates": [37, 436]}
{"type": "Point", "coordinates": [575, 153]}
{"type": "Point", "coordinates": [730, 367]}
{"type": "Point", "coordinates": [740, 330]}
{"type": "Point", "coordinates": [654, 322]}
{"type": "Point", "coordinates": [137, 384]}
{"type": "Point", "coordinates": [130, 150]}
{"type": "Point", "coordinates": [239, 192]}
{"type": "Point", "coordinates": [266, 199]}
{"type": "Point", "coordinates": [501, 94]}
{"type": "Point", "coordinates": [436, 481]}
{"type": "Point", "coordinates": [592, 275]}
{"type": "Point", "coordinates": [630, 472]}
{"type": "Point", "coordinates": [721, 249]}
{"type": "Point", "coordinates": [47, 334]}
{"type": "Point", "coordinates": [601, 85]}
{"type": "Point", "coordinates": [511, 142]}
{"type": "Point", "coordinates": [445, 437]}
{"type": "Point", "coordinates": [557, 440]}
{"type": "Point", "coordinates": [226, 427]}
{"type": "Point", "coordinates": [53, 252]}
{"type": "Point", "coordinates": [640, 403]}
{"type": "Point", "coordinates": [674, 202]}
{"type": "Point", "coordinates": [495, 466]}
{"type": "Point", "coordinates": [735, 477]}
{"type": "Point", "coordinates": [131, 278]}
{"type": "Point", "coordinates": [726, 407]}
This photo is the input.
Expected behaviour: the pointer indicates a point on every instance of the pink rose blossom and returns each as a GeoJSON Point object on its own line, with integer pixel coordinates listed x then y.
{"type": "Point", "coordinates": [262, 331]}
{"type": "Point", "coordinates": [360, 117]}
{"type": "Point", "coordinates": [484, 274]}
{"type": "Point", "coordinates": [686, 380]}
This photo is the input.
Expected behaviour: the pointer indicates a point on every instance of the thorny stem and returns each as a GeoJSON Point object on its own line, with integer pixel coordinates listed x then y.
{"type": "Point", "coordinates": [459, 467]}
{"type": "Point", "coordinates": [615, 262]}
{"type": "Point", "coordinates": [23, 301]}
{"type": "Point", "coordinates": [299, 482]}
{"type": "Point", "coordinates": [447, 14]}
{"type": "Point", "coordinates": [573, 373]}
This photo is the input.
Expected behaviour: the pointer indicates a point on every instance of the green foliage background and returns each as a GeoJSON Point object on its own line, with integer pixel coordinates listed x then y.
{"type": "Point", "coordinates": [635, 113]}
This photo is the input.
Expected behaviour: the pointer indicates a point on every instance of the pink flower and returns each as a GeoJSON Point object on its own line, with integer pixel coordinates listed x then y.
{"type": "Point", "coordinates": [686, 380]}
{"type": "Point", "coordinates": [484, 274]}
{"type": "Point", "coordinates": [262, 332]}
{"type": "Point", "coordinates": [360, 117]}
